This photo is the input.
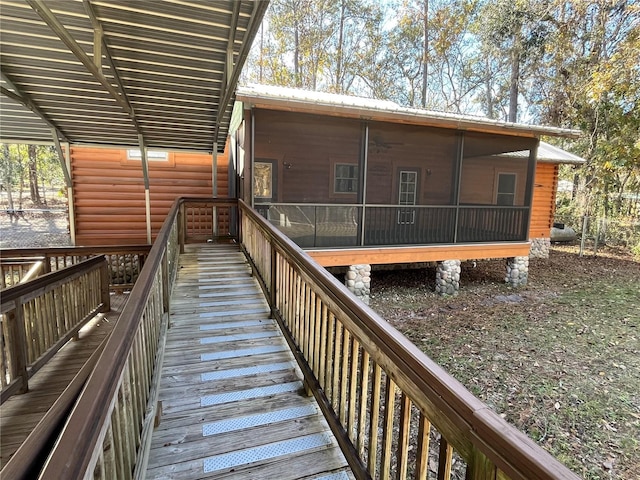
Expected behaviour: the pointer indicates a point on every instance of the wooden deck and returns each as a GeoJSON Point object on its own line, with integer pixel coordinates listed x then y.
{"type": "Point", "coordinates": [21, 413]}
{"type": "Point", "coordinates": [233, 403]}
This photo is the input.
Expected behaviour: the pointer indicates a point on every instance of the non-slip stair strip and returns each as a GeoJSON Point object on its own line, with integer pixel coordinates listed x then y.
{"type": "Point", "coordinates": [226, 284]}
{"type": "Point", "coordinates": [228, 303]}
{"type": "Point", "coordinates": [243, 352]}
{"type": "Point", "coordinates": [265, 452]}
{"type": "Point", "coordinates": [257, 420]}
{"type": "Point", "coordinates": [249, 394]}
{"type": "Point", "coordinates": [243, 323]}
{"type": "Point", "coordinates": [234, 313]}
{"type": "Point", "coordinates": [239, 337]}
{"type": "Point", "coordinates": [246, 371]}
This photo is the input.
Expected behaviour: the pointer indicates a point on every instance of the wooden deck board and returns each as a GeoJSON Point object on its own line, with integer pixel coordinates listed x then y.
{"type": "Point", "coordinates": [21, 413]}
{"type": "Point", "coordinates": [232, 397]}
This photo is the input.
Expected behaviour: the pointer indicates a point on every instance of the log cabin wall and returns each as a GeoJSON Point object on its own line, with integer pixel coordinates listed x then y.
{"type": "Point", "coordinates": [544, 200]}
{"type": "Point", "coordinates": [109, 198]}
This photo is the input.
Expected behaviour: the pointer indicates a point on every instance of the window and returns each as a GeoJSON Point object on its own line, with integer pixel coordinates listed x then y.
{"type": "Point", "coordinates": [345, 178]}
{"type": "Point", "coordinates": [506, 189]}
{"type": "Point", "coordinates": [408, 187]}
{"type": "Point", "coordinates": [152, 155]}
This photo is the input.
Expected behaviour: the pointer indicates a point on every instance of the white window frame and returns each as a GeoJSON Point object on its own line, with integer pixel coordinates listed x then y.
{"type": "Point", "coordinates": [152, 155]}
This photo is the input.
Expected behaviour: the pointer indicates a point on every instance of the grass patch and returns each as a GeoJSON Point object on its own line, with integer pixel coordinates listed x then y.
{"type": "Point", "coordinates": [559, 359]}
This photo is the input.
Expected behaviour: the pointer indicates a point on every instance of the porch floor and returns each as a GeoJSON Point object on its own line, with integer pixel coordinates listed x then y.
{"type": "Point", "coordinates": [20, 414]}
{"type": "Point", "coordinates": [233, 402]}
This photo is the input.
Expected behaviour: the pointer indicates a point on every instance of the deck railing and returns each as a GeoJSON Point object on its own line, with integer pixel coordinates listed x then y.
{"type": "Point", "coordinates": [38, 317]}
{"type": "Point", "coordinates": [108, 433]}
{"type": "Point", "coordinates": [125, 262]}
{"type": "Point", "coordinates": [394, 411]}
{"type": "Point", "coordinates": [350, 225]}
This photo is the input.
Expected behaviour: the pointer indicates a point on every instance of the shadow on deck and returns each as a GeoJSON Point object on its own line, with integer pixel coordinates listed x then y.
{"type": "Point", "coordinates": [233, 399]}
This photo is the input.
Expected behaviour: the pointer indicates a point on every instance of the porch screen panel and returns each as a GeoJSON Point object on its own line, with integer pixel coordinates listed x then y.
{"type": "Point", "coordinates": [410, 185]}
{"type": "Point", "coordinates": [494, 181]}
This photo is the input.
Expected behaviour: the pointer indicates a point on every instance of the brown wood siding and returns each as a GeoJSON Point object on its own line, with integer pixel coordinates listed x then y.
{"type": "Point", "coordinates": [303, 147]}
{"type": "Point", "coordinates": [429, 151]}
{"type": "Point", "coordinates": [479, 179]}
{"type": "Point", "coordinates": [109, 196]}
{"type": "Point", "coordinates": [544, 200]}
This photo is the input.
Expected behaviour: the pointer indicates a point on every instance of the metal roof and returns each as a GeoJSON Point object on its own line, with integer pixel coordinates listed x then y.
{"type": "Point", "coordinates": [263, 96]}
{"type": "Point", "coordinates": [119, 72]}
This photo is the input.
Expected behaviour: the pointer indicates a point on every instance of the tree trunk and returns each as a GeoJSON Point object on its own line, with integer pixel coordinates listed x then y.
{"type": "Point", "coordinates": [425, 53]}
{"type": "Point", "coordinates": [33, 175]}
{"type": "Point", "coordinates": [488, 91]}
{"type": "Point", "coordinates": [339, 87]}
{"type": "Point", "coordinates": [513, 85]}
{"type": "Point", "coordinates": [7, 181]}
{"type": "Point", "coordinates": [296, 52]}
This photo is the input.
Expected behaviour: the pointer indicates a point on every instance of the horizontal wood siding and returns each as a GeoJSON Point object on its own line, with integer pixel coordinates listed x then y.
{"type": "Point", "coordinates": [430, 151]}
{"type": "Point", "coordinates": [479, 179]}
{"type": "Point", "coordinates": [109, 196]}
{"type": "Point", "coordinates": [303, 147]}
{"type": "Point", "coordinates": [544, 200]}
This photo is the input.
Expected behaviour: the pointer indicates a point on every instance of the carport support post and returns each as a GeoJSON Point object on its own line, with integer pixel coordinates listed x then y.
{"type": "Point", "coordinates": [145, 174]}
{"type": "Point", "coordinates": [214, 190]}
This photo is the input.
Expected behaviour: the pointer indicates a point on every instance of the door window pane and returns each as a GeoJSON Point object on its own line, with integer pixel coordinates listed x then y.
{"type": "Point", "coordinates": [408, 188]}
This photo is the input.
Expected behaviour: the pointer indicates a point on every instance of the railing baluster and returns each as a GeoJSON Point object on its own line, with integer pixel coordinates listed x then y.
{"type": "Point", "coordinates": [387, 428]}
{"type": "Point", "coordinates": [354, 358]}
{"type": "Point", "coordinates": [337, 361]}
{"type": "Point", "coordinates": [331, 324]}
{"type": "Point", "coordinates": [445, 456]}
{"type": "Point", "coordinates": [322, 352]}
{"type": "Point", "coordinates": [375, 419]}
{"type": "Point", "coordinates": [403, 437]}
{"type": "Point", "coordinates": [344, 376]}
{"type": "Point", "coordinates": [422, 454]}
{"type": "Point", "coordinates": [362, 407]}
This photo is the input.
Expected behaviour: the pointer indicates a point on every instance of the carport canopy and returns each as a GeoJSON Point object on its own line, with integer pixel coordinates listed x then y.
{"type": "Point", "coordinates": [145, 73]}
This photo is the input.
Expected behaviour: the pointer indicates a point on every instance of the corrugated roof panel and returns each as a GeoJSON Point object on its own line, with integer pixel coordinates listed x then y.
{"type": "Point", "coordinates": [172, 53]}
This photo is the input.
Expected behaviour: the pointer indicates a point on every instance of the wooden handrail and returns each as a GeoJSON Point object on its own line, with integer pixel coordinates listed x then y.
{"type": "Point", "coordinates": [308, 300]}
{"type": "Point", "coordinates": [130, 353]}
{"type": "Point", "coordinates": [37, 320]}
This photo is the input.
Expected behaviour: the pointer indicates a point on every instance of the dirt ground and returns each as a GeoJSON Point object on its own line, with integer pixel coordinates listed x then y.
{"type": "Point", "coordinates": [560, 358]}
{"type": "Point", "coordinates": [34, 229]}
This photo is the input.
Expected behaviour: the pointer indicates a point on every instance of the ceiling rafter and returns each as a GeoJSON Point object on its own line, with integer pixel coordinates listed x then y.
{"type": "Point", "coordinates": [56, 26]}
{"type": "Point", "coordinates": [25, 100]}
{"type": "Point", "coordinates": [229, 86]}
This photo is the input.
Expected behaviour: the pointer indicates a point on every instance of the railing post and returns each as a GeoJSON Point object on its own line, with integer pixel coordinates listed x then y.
{"type": "Point", "coordinates": [182, 226]}
{"type": "Point", "coordinates": [105, 278]}
{"type": "Point", "coordinates": [18, 343]}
